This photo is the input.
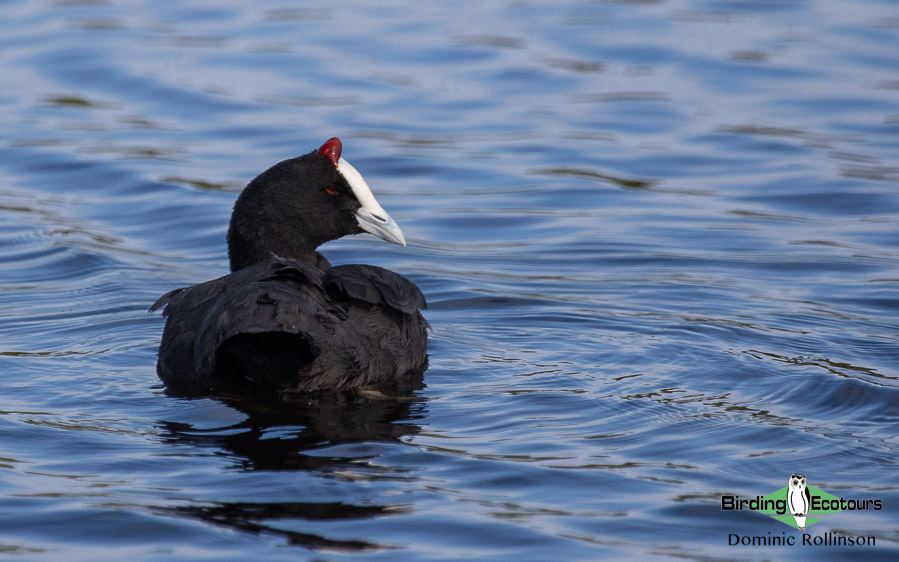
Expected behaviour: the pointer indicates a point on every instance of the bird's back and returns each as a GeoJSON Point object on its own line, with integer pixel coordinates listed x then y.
{"type": "Point", "coordinates": [283, 327]}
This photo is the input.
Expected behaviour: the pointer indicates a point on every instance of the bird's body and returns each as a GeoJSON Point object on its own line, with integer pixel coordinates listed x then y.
{"type": "Point", "coordinates": [285, 321]}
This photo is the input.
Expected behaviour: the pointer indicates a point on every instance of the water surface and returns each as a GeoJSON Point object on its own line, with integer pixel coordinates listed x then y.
{"type": "Point", "coordinates": [658, 239]}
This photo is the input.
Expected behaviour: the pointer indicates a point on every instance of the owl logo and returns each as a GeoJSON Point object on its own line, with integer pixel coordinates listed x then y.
{"type": "Point", "coordinates": [798, 499]}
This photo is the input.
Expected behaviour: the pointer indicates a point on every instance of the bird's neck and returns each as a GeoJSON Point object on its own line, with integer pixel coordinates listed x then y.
{"type": "Point", "coordinates": [249, 246]}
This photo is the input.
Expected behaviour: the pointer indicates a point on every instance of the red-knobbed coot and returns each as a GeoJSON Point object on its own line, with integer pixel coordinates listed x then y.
{"type": "Point", "coordinates": [284, 321]}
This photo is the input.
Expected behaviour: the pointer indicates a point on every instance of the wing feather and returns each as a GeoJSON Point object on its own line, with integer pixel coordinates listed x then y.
{"type": "Point", "coordinates": [376, 285]}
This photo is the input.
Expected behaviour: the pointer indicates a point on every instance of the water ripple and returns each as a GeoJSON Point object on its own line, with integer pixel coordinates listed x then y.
{"type": "Point", "coordinates": [659, 271]}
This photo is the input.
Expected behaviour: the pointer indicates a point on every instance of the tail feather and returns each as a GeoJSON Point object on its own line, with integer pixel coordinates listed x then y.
{"type": "Point", "coordinates": [262, 360]}
{"type": "Point", "coordinates": [264, 333]}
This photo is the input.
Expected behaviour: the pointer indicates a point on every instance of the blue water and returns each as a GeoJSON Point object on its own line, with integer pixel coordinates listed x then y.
{"type": "Point", "coordinates": [659, 239]}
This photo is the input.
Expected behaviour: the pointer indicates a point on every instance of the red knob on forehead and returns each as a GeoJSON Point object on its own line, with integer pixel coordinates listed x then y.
{"type": "Point", "coordinates": [331, 149]}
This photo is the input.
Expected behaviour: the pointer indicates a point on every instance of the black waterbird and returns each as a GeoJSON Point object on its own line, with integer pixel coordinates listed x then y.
{"type": "Point", "coordinates": [284, 321]}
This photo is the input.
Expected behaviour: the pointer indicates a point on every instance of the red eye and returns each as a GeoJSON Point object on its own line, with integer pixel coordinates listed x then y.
{"type": "Point", "coordinates": [331, 191]}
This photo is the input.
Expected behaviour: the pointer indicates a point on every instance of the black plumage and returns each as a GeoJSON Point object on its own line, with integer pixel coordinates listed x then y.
{"type": "Point", "coordinates": [285, 321]}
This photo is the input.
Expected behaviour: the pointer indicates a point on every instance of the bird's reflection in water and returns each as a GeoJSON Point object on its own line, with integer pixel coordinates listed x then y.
{"type": "Point", "coordinates": [291, 437]}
